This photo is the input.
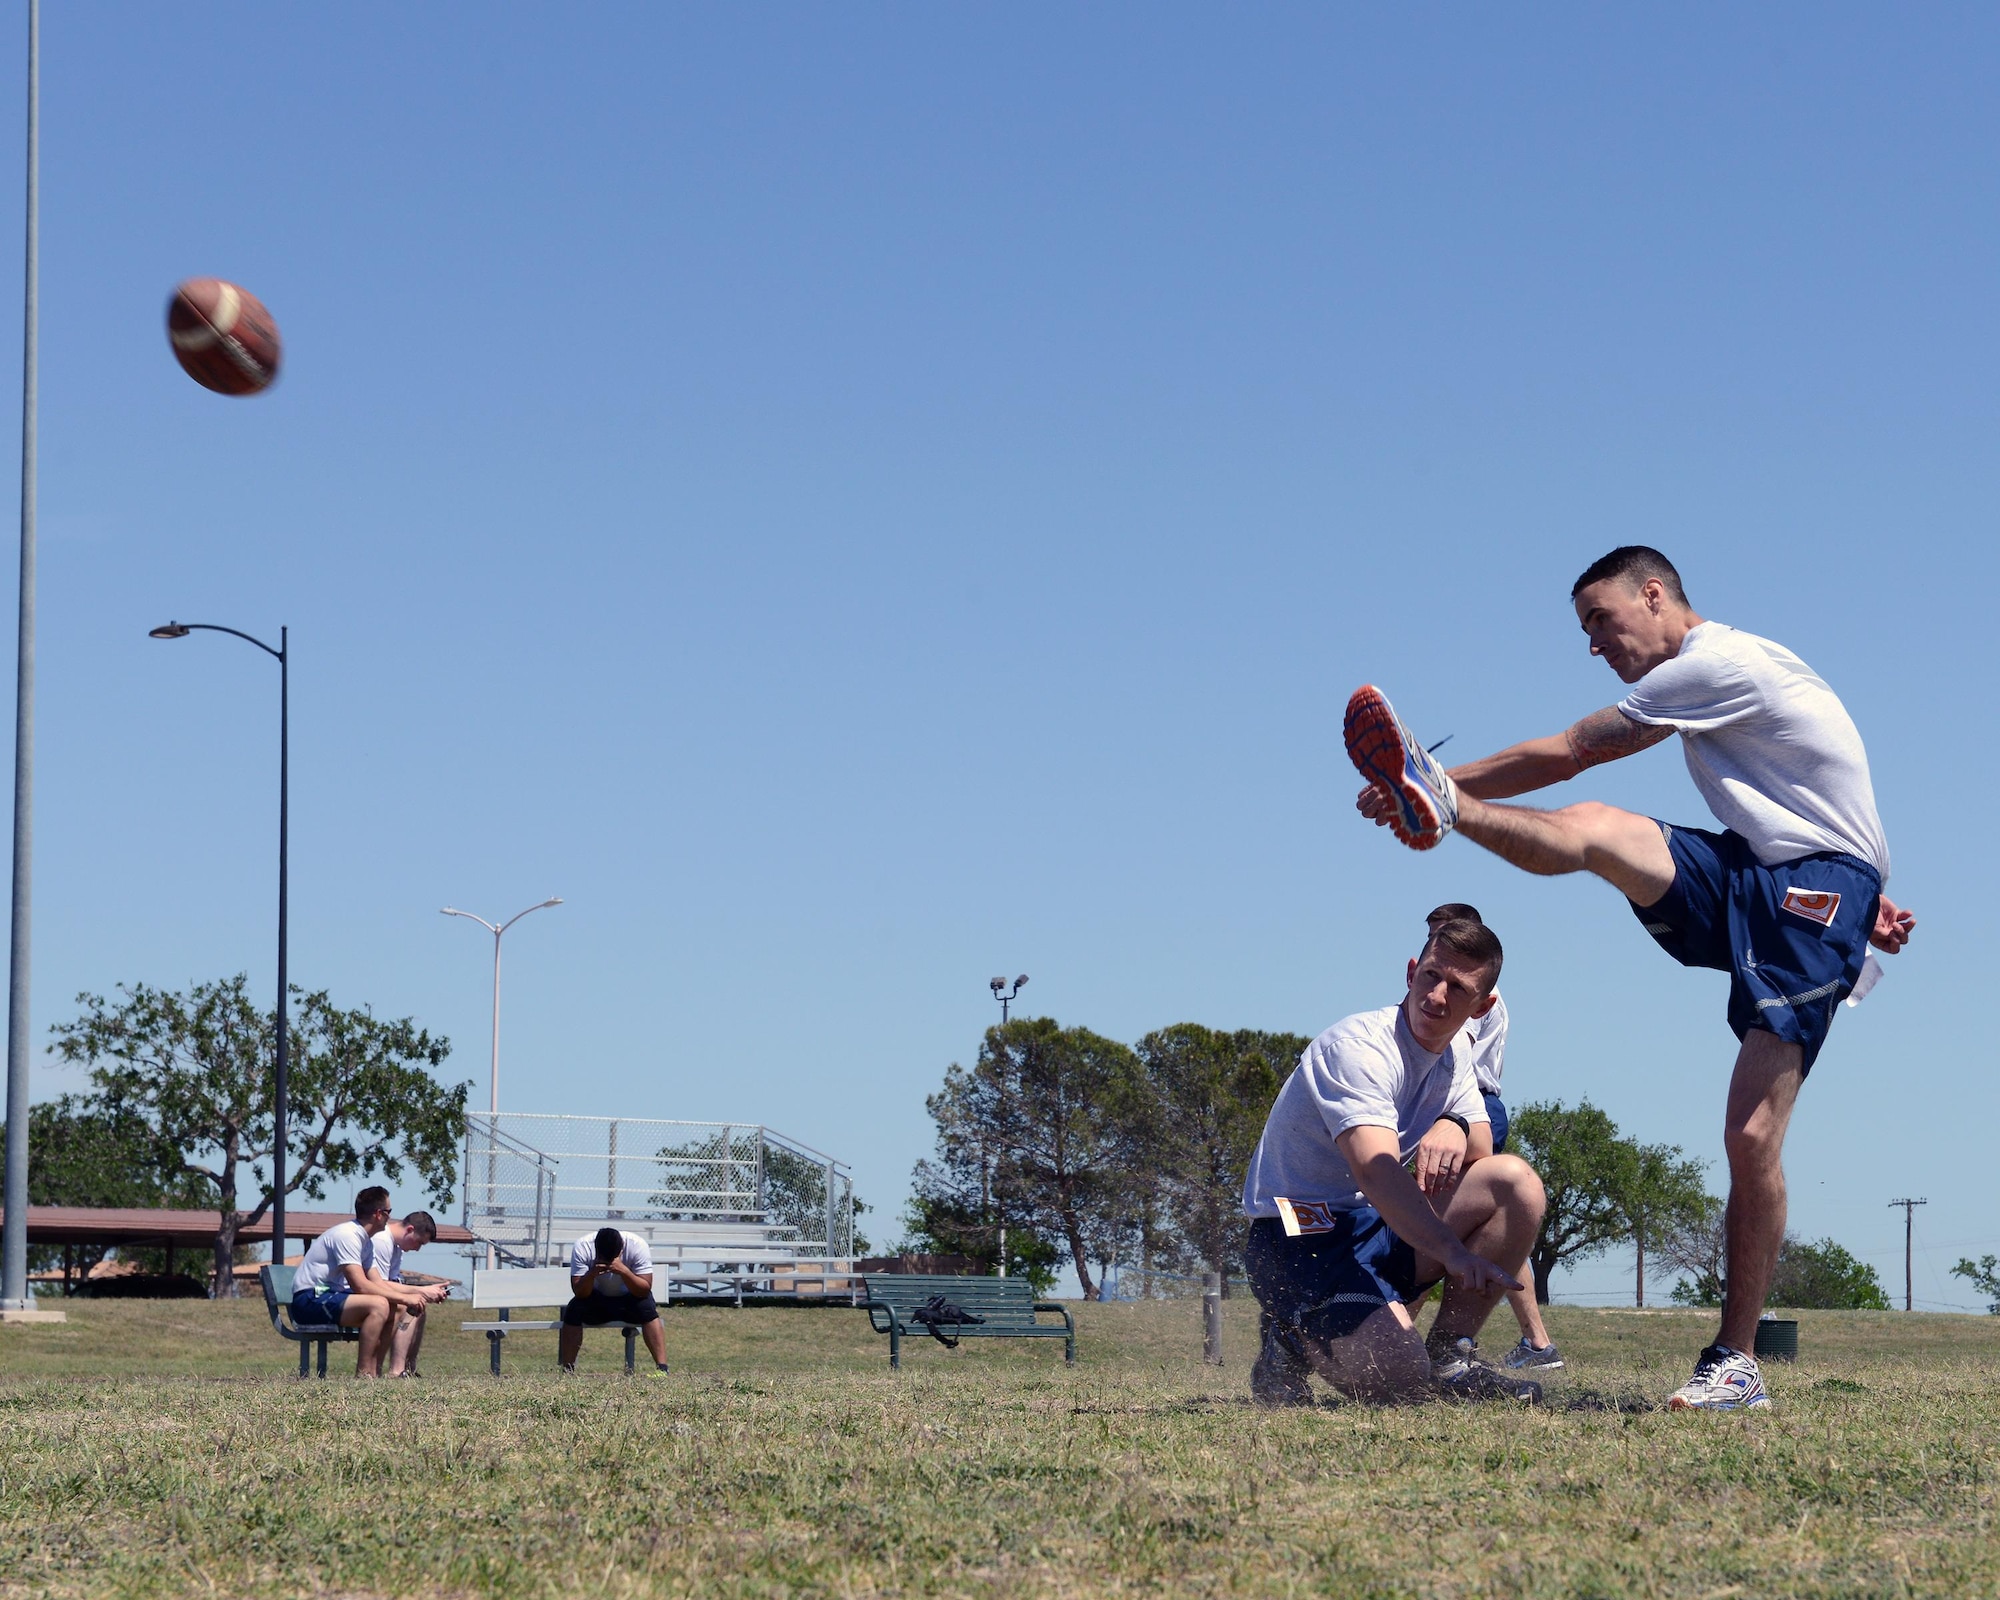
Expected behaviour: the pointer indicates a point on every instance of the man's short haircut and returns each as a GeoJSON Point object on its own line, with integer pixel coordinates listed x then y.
{"type": "Point", "coordinates": [1453, 911]}
{"type": "Point", "coordinates": [1474, 941]}
{"type": "Point", "coordinates": [424, 1221]}
{"type": "Point", "coordinates": [610, 1244]}
{"type": "Point", "coordinates": [370, 1200]}
{"type": "Point", "coordinates": [1635, 563]}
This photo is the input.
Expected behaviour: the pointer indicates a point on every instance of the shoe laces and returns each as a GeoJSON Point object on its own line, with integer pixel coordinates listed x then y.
{"type": "Point", "coordinates": [1713, 1359]}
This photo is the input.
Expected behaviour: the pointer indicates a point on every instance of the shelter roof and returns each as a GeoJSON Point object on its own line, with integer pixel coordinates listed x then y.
{"type": "Point", "coordinates": [110, 1225]}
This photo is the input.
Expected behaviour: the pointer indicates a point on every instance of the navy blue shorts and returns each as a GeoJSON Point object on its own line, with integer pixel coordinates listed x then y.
{"type": "Point", "coordinates": [318, 1308]}
{"type": "Point", "coordinates": [1325, 1285]}
{"type": "Point", "coordinates": [1496, 1113]}
{"type": "Point", "coordinates": [1791, 937]}
{"type": "Point", "coordinates": [601, 1309]}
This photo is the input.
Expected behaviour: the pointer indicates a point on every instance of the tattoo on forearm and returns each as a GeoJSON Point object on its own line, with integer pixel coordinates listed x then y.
{"type": "Point", "coordinates": [1608, 734]}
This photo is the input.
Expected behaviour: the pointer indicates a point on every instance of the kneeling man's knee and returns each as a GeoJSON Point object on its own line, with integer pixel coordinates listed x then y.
{"type": "Point", "coordinates": [1518, 1184]}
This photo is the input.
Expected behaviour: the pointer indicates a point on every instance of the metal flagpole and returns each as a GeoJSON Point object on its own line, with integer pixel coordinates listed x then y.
{"type": "Point", "coordinates": [14, 1237]}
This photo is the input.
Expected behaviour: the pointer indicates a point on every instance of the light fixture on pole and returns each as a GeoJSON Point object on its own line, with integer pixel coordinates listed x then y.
{"type": "Point", "coordinates": [997, 984]}
{"type": "Point", "coordinates": [282, 1089]}
{"type": "Point", "coordinates": [493, 1076]}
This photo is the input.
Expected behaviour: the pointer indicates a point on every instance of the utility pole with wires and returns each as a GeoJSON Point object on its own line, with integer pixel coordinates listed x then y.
{"type": "Point", "coordinates": [1909, 1232]}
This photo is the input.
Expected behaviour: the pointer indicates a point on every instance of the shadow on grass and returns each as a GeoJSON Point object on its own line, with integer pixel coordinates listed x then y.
{"type": "Point", "coordinates": [1630, 1405]}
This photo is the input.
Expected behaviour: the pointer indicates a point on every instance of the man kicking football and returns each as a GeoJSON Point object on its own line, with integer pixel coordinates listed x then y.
{"type": "Point", "coordinates": [1343, 1239]}
{"type": "Point", "coordinates": [1785, 900]}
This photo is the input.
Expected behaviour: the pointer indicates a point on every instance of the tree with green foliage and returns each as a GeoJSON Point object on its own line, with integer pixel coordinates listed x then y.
{"type": "Point", "coordinates": [82, 1152]}
{"type": "Point", "coordinates": [1658, 1192]}
{"type": "Point", "coordinates": [1815, 1275]}
{"type": "Point", "coordinates": [936, 1222]}
{"type": "Point", "coordinates": [795, 1196]}
{"type": "Point", "coordinates": [1983, 1275]}
{"type": "Point", "coordinates": [198, 1070]}
{"type": "Point", "coordinates": [1698, 1246]}
{"type": "Point", "coordinates": [1585, 1170]}
{"type": "Point", "coordinates": [1822, 1276]}
{"type": "Point", "coordinates": [1041, 1131]}
{"type": "Point", "coordinates": [1198, 1127]}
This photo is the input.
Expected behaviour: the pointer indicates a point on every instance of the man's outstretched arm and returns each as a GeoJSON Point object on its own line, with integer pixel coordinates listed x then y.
{"type": "Point", "coordinates": [1602, 736]}
{"type": "Point", "coordinates": [1539, 763]}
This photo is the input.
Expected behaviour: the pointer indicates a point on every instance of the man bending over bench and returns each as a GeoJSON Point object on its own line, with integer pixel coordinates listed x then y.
{"type": "Point", "coordinates": [396, 1240]}
{"type": "Point", "coordinates": [611, 1275]}
{"type": "Point", "coordinates": [332, 1288]}
{"type": "Point", "coordinates": [1343, 1240]}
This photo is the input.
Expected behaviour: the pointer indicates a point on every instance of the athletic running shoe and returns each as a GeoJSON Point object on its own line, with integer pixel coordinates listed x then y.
{"type": "Point", "coordinates": [659, 1370]}
{"type": "Point", "coordinates": [1481, 1382]}
{"type": "Point", "coordinates": [1524, 1354]}
{"type": "Point", "coordinates": [1463, 1374]}
{"type": "Point", "coordinates": [1281, 1376]}
{"type": "Point", "coordinates": [1724, 1380]}
{"type": "Point", "coordinates": [1424, 802]}
{"type": "Point", "coordinates": [1451, 1358]}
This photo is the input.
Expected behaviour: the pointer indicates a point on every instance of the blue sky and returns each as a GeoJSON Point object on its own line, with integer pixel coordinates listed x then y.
{"type": "Point", "coordinates": [858, 501]}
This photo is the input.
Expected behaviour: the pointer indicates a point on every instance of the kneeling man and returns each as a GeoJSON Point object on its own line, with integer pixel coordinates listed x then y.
{"type": "Point", "coordinates": [1343, 1239]}
{"type": "Point", "coordinates": [611, 1275]}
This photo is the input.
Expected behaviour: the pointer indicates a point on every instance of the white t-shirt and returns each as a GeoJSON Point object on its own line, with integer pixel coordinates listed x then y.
{"type": "Point", "coordinates": [388, 1257]}
{"type": "Point", "coordinates": [1768, 744]}
{"type": "Point", "coordinates": [344, 1244]}
{"type": "Point", "coordinates": [1488, 1037]}
{"type": "Point", "coordinates": [1366, 1071]}
{"type": "Point", "coordinates": [583, 1256]}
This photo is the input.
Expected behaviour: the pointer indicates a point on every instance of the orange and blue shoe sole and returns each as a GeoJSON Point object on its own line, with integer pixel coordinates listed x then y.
{"type": "Point", "coordinates": [1380, 750]}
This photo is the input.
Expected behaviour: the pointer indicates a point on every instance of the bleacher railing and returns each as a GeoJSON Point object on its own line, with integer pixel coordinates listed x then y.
{"type": "Point", "coordinates": [534, 1182]}
{"type": "Point", "coordinates": [509, 1187]}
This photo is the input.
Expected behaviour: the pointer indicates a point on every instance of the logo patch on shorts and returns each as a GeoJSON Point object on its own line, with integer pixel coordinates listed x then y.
{"type": "Point", "coordinates": [1815, 905]}
{"type": "Point", "coordinates": [1306, 1216]}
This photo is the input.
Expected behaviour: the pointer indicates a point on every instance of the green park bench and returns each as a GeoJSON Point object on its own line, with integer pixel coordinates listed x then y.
{"type": "Point", "coordinates": [277, 1282]}
{"type": "Point", "coordinates": [1008, 1305]}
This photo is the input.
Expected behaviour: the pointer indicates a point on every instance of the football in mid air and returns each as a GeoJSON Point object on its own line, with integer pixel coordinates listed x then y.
{"type": "Point", "coordinates": [223, 337]}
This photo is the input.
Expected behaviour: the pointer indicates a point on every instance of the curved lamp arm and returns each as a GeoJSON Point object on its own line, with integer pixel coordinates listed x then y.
{"type": "Point", "coordinates": [180, 630]}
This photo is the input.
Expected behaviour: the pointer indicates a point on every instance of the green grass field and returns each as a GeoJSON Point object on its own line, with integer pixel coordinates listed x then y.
{"type": "Point", "coordinates": [166, 1449]}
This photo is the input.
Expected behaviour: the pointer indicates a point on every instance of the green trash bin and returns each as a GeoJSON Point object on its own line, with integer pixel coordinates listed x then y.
{"type": "Point", "coordinates": [1777, 1339]}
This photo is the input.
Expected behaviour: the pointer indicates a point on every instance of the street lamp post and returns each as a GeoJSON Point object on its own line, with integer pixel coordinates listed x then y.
{"type": "Point", "coordinates": [282, 1095]}
{"type": "Point", "coordinates": [997, 984]}
{"type": "Point", "coordinates": [14, 1295]}
{"type": "Point", "coordinates": [1007, 999]}
{"type": "Point", "coordinates": [493, 1075]}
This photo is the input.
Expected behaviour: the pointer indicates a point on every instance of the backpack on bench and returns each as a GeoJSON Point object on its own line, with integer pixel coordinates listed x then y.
{"type": "Point", "coordinates": [938, 1312]}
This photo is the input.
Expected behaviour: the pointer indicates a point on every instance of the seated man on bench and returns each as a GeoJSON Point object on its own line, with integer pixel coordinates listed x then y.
{"type": "Point", "coordinates": [396, 1240]}
{"type": "Point", "coordinates": [332, 1288]}
{"type": "Point", "coordinates": [611, 1275]}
